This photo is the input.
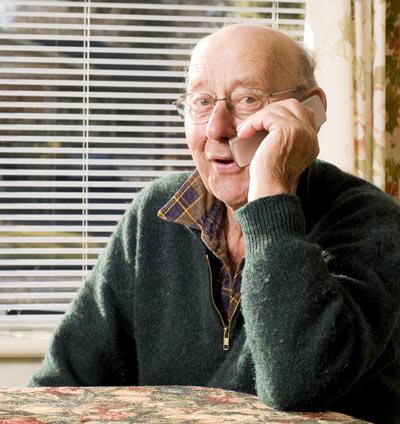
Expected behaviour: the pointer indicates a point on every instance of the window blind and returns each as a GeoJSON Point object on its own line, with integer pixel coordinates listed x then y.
{"type": "Point", "coordinates": [85, 123]}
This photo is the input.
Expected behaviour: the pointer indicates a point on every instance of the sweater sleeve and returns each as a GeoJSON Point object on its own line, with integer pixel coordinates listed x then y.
{"type": "Point", "coordinates": [94, 344]}
{"type": "Point", "coordinates": [319, 308]}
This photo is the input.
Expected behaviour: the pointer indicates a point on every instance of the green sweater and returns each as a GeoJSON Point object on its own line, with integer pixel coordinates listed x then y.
{"type": "Point", "coordinates": [318, 326]}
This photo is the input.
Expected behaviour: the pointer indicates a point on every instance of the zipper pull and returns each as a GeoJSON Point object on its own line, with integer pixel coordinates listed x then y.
{"type": "Point", "coordinates": [226, 338]}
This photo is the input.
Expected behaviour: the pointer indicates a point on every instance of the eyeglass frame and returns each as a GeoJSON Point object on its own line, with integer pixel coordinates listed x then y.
{"type": "Point", "coordinates": [180, 100]}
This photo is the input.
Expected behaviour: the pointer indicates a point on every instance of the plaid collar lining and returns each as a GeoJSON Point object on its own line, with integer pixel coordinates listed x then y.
{"type": "Point", "coordinates": [194, 206]}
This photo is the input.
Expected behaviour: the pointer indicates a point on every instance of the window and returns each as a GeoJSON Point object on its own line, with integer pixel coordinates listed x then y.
{"type": "Point", "coordinates": [85, 123]}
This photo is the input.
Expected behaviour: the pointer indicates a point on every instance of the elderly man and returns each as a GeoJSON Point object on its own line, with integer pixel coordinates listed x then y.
{"type": "Point", "coordinates": [280, 278]}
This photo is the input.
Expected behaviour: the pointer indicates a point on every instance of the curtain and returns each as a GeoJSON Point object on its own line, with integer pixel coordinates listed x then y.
{"type": "Point", "coordinates": [357, 47]}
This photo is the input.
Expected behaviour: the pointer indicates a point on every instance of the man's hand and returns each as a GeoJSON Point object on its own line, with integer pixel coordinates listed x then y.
{"type": "Point", "coordinates": [289, 148]}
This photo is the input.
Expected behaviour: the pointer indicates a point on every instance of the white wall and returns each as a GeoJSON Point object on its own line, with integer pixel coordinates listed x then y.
{"type": "Point", "coordinates": [21, 354]}
{"type": "Point", "coordinates": [15, 372]}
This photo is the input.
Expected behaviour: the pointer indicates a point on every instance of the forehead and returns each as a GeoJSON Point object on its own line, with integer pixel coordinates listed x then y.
{"type": "Point", "coordinates": [247, 73]}
{"type": "Point", "coordinates": [217, 65]}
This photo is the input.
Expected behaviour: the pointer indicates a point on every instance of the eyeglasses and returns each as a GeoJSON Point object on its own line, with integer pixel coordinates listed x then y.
{"type": "Point", "coordinates": [241, 103]}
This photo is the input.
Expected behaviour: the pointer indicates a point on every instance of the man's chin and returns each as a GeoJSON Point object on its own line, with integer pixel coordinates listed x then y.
{"type": "Point", "coordinates": [231, 190]}
{"type": "Point", "coordinates": [230, 198]}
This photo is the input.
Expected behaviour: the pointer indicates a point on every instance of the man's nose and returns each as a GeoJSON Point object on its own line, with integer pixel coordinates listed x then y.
{"type": "Point", "coordinates": [222, 124]}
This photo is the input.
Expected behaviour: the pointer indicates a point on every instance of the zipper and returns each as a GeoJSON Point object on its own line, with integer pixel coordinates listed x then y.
{"type": "Point", "coordinates": [226, 338]}
{"type": "Point", "coordinates": [225, 326]}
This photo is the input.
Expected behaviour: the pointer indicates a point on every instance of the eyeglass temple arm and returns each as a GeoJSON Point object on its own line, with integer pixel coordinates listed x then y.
{"type": "Point", "coordinates": [278, 93]}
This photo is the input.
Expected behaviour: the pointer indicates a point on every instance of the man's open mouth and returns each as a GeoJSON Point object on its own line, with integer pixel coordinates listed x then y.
{"type": "Point", "coordinates": [223, 161]}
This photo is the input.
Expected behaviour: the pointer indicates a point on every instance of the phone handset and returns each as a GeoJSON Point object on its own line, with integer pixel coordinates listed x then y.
{"type": "Point", "coordinates": [243, 149]}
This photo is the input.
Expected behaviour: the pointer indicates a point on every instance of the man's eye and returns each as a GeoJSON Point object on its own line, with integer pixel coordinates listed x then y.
{"type": "Point", "coordinates": [248, 100]}
{"type": "Point", "coordinates": [201, 101]}
{"type": "Point", "coordinates": [204, 102]}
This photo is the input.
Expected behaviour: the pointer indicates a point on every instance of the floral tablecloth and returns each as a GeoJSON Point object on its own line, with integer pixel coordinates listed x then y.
{"type": "Point", "coordinates": [147, 404]}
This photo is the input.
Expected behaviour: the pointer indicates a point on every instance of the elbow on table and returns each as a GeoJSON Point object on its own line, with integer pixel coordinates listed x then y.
{"type": "Point", "coordinates": [283, 403]}
{"type": "Point", "coordinates": [286, 395]}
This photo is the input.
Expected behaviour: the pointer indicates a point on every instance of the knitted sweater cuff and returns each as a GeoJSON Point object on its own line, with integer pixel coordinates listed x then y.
{"type": "Point", "coordinates": [271, 219]}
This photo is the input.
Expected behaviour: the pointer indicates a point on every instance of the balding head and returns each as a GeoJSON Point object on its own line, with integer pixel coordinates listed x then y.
{"type": "Point", "coordinates": [285, 60]}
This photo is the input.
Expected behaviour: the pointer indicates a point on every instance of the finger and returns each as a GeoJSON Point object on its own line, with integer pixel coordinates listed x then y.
{"type": "Point", "coordinates": [265, 122]}
{"type": "Point", "coordinates": [289, 110]}
{"type": "Point", "coordinates": [297, 109]}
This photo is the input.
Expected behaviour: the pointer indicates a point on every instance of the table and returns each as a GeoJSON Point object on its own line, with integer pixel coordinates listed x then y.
{"type": "Point", "coordinates": [145, 404]}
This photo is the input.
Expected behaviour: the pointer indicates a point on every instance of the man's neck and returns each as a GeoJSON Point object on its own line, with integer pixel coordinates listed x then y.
{"type": "Point", "coordinates": [234, 238]}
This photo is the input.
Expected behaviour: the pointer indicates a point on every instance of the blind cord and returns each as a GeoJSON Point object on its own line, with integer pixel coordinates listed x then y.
{"type": "Point", "coordinates": [86, 134]}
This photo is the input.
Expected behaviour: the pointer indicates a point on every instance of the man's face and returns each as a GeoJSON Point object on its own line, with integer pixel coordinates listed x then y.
{"type": "Point", "coordinates": [219, 66]}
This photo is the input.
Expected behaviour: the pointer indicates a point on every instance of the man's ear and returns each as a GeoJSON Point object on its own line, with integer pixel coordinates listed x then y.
{"type": "Point", "coordinates": [320, 93]}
